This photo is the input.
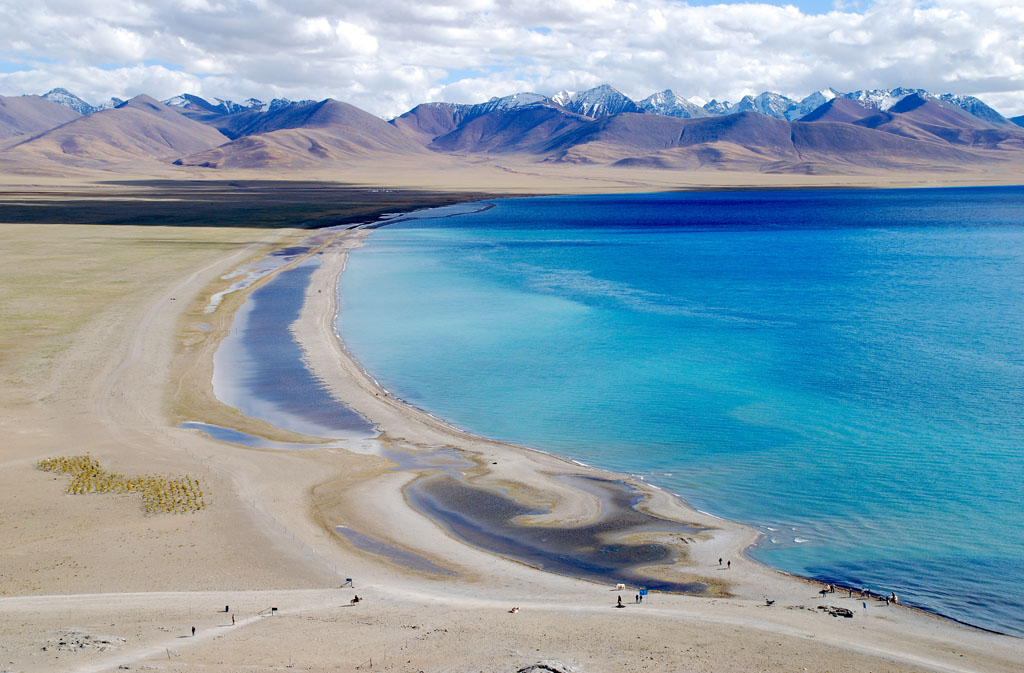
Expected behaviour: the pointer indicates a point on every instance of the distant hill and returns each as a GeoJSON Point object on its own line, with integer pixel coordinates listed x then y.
{"type": "Point", "coordinates": [305, 135]}
{"type": "Point", "coordinates": [747, 140]}
{"type": "Point", "coordinates": [1019, 121]}
{"type": "Point", "coordinates": [141, 128]}
{"type": "Point", "coordinates": [521, 130]}
{"type": "Point", "coordinates": [29, 115]}
{"type": "Point", "coordinates": [921, 118]}
{"type": "Point", "coordinates": [432, 120]}
{"type": "Point", "coordinates": [839, 138]}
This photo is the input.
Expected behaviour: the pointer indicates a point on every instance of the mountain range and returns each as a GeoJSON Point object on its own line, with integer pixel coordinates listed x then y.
{"type": "Point", "coordinates": [825, 132]}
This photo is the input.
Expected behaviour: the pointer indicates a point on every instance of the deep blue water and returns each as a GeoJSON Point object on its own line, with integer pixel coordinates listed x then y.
{"type": "Point", "coordinates": [842, 369]}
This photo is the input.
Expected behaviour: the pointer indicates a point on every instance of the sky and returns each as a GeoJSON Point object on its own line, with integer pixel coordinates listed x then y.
{"type": "Point", "coordinates": [386, 56]}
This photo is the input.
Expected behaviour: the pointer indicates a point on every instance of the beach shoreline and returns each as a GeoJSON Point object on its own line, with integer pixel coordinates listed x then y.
{"type": "Point", "coordinates": [322, 306]}
{"type": "Point", "coordinates": [269, 537]}
{"type": "Point", "coordinates": [387, 411]}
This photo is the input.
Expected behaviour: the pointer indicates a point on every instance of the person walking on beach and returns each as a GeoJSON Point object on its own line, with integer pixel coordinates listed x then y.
{"type": "Point", "coordinates": [728, 564]}
{"type": "Point", "coordinates": [719, 560]}
{"type": "Point", "coordinates": [637, 599]}
{"type": "Point", "coordinates": [232, 620]}
{"type": "Point", "coordinates": [193, 632]}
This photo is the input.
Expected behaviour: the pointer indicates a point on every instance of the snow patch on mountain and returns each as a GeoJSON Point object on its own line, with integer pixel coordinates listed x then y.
{"type": "Point", "coordinates": [669, 104]}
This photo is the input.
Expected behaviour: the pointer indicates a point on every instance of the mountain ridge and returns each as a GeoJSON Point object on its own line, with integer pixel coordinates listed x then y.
{"type": "Point", "coordinates": [600, 101]}
{"type": "Point", "coordinates": [864, 130]}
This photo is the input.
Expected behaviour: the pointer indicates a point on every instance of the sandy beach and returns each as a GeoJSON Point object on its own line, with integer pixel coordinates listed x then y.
{"type": "Point", "coordinates": [108, 356]}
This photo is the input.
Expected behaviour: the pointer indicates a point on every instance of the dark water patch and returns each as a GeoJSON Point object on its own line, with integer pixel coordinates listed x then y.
{"type": "Point", "coordinates": [399, 556]}
{"type": "Point", "coordinates": [260, 368]}
{"type": "Point", "coordinates": [245, 204]}
{"type": "Point", "coordinates": [596, 550]}
{"type": "Point", "coordinates": [291, 251]}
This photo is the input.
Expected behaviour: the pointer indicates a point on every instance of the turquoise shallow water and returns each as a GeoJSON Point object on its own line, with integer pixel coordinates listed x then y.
{"type": "Point", "coordinates": [842, 369]}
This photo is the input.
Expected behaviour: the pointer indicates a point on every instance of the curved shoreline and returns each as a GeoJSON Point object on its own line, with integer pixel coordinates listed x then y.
{"type": "Point", "coordinates": [741, 537]}
{"type": "Point", "coordinates": [953, 612]}
{"type": "Point", "coordinates": [473, 603]}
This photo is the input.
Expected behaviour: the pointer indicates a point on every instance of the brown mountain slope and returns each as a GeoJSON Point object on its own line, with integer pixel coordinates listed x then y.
{"type": "Point", "coordinates": [926, 119]}
{"type": "Point", "coordinates": [431, 120]}
{"type": "Point", "coordinates": [324, 132]}
{"type": "Point", "coordinates": [29, 115]}
{"type": "Point", "coordinates": [525, 130]}
{"type": "Point", "coordinates": [749, 141]}
{"type": "Point", "coordinates": [844, 110]}
{"type": "Point", "coordinates": [141, 128]}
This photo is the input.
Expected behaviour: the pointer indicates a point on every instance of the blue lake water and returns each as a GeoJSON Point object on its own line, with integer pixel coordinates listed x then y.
{"type": "Point", "coordinates": [842, 369]}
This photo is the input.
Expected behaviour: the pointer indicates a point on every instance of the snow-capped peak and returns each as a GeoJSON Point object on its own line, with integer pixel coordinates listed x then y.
{"type": "Point", "coordinates": [601, 101]}
{"type": "Point", "coordinates": [811, 103]}
{"type": "Point", "coordinates": [176, 101]}
{"type": "Point", "coordinates": [521, 99]}
{"type": "Point", "coordinates": [254, 104]}
{"type": "Point", "coordinates": [975, 106]}
{"type": "Point", "coordinates": [768, 103]}
{"type": "Point", "coordinates": [278, 103]}
{"type": "Point", "coordinates": [882, 99]}
{"type": "Point", "coordinates": [69, 100]}
{"type": "Point", "coordinates": [713, 107]}
{"type": "Point", "coordinates": [669, 104]}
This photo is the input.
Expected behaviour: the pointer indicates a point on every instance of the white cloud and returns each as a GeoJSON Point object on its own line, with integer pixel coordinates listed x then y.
{"type": "Point", "coordinates": [387, 55]}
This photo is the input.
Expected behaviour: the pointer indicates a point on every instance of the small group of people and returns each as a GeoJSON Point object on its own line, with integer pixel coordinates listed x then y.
{"type": "Point", "coordinates": [728, 564]}
{"type": "Point", "coordinates": [866, 593]}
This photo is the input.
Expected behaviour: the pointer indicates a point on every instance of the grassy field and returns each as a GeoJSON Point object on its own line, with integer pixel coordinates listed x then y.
{"type": "Point", "coordinates": [57, 280]}
{"type": "Point", "coordinates": [65, 268]}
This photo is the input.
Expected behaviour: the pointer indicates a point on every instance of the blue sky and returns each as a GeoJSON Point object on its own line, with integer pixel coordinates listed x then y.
{"type": "Point", "coordinates": [388, 55]}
